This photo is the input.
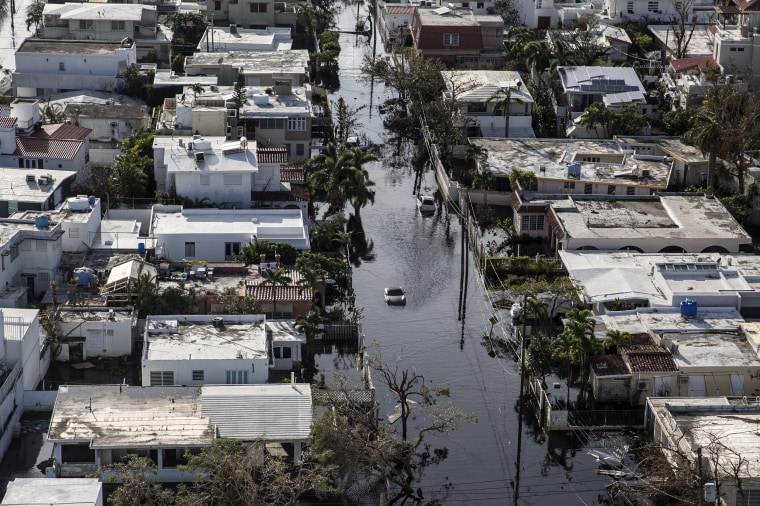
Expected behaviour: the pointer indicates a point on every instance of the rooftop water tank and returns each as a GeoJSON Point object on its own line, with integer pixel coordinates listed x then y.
{"type": "Point", "coordinates": [41, 221]}
{"type": "Point", "coordinates": [78, 204]}
{"type": "Point", "coordinates": [251, 92]}
{"type": "Point", "coordinates": [688, 308]}
{"type": "Point", "coordinates": [85, 275]}
{"type": "Point", "coordinates": [91, 200]}
{"type": "Point", "coordinates": [141, 248]}
{"type": "Point", "coordinates": [574, 170]}
{"type": "Point", "coordinates": [260, 99]}
{"type": "Point", "coordinates": [202, 145]}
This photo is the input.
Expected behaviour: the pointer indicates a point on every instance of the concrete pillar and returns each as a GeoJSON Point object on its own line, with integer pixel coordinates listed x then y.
{"type": "Point", "coordinates": [297, 449]}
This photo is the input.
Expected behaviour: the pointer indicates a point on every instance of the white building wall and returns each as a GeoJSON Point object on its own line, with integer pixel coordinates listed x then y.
{"type": "Point", "coordinates": [222, 188]}
{"type": "Point", "coordinates": [215, 371]}
{"type": "Point", "coordinates": [24, 347]}
{"type": "Point", "coordinates": [103, 338]}
{"type": "Point", "coordinates": [79, 235]}
{"type": "Point", "coordinates": [268, 177]}
{"type": "Point", "coordinates": [651, 244]}
{"type": "Point", "coordinates": [90, 64]}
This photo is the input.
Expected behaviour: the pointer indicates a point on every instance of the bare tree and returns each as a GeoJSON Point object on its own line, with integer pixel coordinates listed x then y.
{"type": "Point", "coordinates": [682, 26]}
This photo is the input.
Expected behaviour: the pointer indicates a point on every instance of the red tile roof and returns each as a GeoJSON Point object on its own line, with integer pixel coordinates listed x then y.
{"type": "Point", "coordinates": [8, 122]}
{"type": "Point", "coordinates": [650, 362]}
{"type": "Point", "coordinates": [291, 174]}
{"type": "Point", "coordinates": [47, 148]}
{"type": "Point", "coordinates": [700, 62]}
{"type": "Point", "coordinates": [283, 293]}
{"type": "Point", "coordinates": [272, 155]}
{"type": "Point", "coordinates": [609, 365]}
{"type": "Point", "coordinates": [62, 131]}
{"type": "Point", "coordinates": [400, 9]}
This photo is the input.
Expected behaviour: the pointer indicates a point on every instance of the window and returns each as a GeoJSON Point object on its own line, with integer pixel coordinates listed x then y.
{"type": "Point", "coordinates": [588, 189]}
{"type": "Point", "coordinates": [653, 6]}
{"type": "Point", "coordinates": [233, 2]}
{"type": "Point", "coordinates": [85, 24]}
{"type": "Point", "coordinates": [533, 222]}
{"type": "Point", "coordinates": [272, 123]}
{"type": "Point", "coordinates": [231, 249]}
{"type": "Point", "coordinates": [297, 124]}
{"type": "Point", "coordinates": [233, 179]}
{"type": "Point", "coordinates": [465, 5]}
{"type": "Point", "coordinates": [283, 352]}
{"type": "Point", "coordinates": [477, 107]}
{"type": "Point", "coordinates": [198, 375]}
{"type": "Point", "coordinates": [117, 26]}
{"type": "Point", "coordinates": [258, 7]}
{"type": "Point", "coordinates": [630, 190]}
{"type": "Point", "coordinates": [237, 377]}
{"type": "Point", "coordinates": [569, 185]}
{"type": "Point", "coordinates": [611, 189]}
{"type": "Point", "coordinates": [61, 66]}
{"type": "Point", "coordinates": [205, 179]}
{"type": "Point", "coordinates": [217, 5]}
{"type": "Point", "coordinates": [26, 246]}
{"type": "Point", "coordinates": [300, 150]}
{"type": "Point", "coordinates": [592, 159]}
{"type": "Point", "coordinates": [161, 378]}
{"type": "Point", "coordinates": [481, 5]}
{"type": "Point", "coordinates": [450, 39]}
{"type": "Point", "coordinates": [630, 7]}
{"type": "Point", "coordinates": [74, 233]}
{"type": "Point", "coordinates": [190, 249]}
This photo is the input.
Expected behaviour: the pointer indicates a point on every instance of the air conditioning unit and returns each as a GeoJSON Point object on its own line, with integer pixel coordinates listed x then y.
{"type": "Point", "coordinates": [30, 178]}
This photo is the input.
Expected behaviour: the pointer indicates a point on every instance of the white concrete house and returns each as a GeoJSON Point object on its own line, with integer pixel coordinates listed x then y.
{"type": "Point", "coordinates": [478, 94]}
{"type": "Point", "coordinates": [220, 171]}
{"type": "Point", "coordinates": [96, 425]}
{"type": "Point", "coordinates": [33, 189]}
{"type": "Point", "coordinates": [44, 492]}
{"type": "Point", "coordinates": [217, 235]}
{"type": "Point", "coordinates": [217, 349]}
{"type": "Point", "coordinates": [259, 68]}
{"type": "Point", "coordinates": [45, 67]}
{"type": "Point", "coordinates": [24, 365]}
{"type": "Point", "coordinates": [88, 332]}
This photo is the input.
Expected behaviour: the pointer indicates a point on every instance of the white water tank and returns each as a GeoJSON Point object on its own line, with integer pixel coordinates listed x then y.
{"type": "Point", "coordinates": [261, 99]}
{"type": "Point", "coordinates": [202, 145]}
{"type": "Point", "coordinates": [251, 92]}
{"type": "Point", "coordinates": [78, 204]}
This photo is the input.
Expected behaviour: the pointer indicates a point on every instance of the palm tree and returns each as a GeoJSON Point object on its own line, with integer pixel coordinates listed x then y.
{"type": "Point", "coordinates": [276, 278]}
{"type": "Point", "coordinates": [357, 188]}
{"type": "Point", "coordinates": [34, 16]}
{"type": "Point", "coordinates": [580, 330]}
{"type": "Point", "coordinates": [615, 339]}
{"type": "Point", "coordinates": [196, 89]}
{"type": "Point", "coordinates": [503, 99]}
{"type": "Point", "coordinates": [309, 278]}
{"type": "Point", "coordinates": [597, 115]}
{"type": "Point", "coordinates": [538, 310]}
{"type": "Point", "coordinates": [707, 134]}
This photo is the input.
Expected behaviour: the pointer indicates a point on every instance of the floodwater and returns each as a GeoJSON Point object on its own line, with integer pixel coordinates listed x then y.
{"type": "Point", "coordinates": [422, 254]}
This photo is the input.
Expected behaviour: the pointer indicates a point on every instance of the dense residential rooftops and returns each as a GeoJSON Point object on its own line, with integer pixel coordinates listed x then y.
{"type": "Point", "coordinates": [550, 158]}
{"type": "Point", "coordinates": [201, 338]}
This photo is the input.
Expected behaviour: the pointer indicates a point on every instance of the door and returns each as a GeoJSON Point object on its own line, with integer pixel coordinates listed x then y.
{"type": "Point", "coordinates": [662, 386]}
{"type": "Point", "coordinates": [697, 386]}
{"type": "Point", "coordinates": [737, 385]}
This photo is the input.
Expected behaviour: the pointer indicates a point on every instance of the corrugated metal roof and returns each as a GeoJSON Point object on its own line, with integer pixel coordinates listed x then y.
{"type": "Point", "coordinates": [269, 412]}
{"type": "Point", "coordinates": [47, 148]}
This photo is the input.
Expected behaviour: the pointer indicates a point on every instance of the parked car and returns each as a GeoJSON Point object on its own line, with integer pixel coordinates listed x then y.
{"type": "Point", "coordinates": [395, 296]}
{"type": "Point", "coordinates": [426, 204]}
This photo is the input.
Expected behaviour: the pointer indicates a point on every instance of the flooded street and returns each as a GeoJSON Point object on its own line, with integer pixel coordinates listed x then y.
{"type": "Point", "coordinates": [422, 254]}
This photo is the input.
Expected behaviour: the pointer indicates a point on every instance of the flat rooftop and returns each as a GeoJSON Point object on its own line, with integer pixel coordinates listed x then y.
{"type": "Point", "coordinates": [245, 39]}
{"type": "Point", "coordinates": [177, 338]}
{"type": "Point", "coordinates": [293, 61]}
{"type": "Point", "coordinates": [713, 350]}
{"type": "Point", "coordinates": [266, 224]}
{"type": "Point", "coordinates": [701, 422]}
{"type": "Point", "coordinates": [22, 185]}
{"type": "Point", "coordinates": [699, 45]}
{"type": "Point", "coordinates": [669, 320]}
{"type": "Point", "coordinates": [607, 275]}
{"type": "Point", "coordinates": [549, 159]}
{"type": "Point", "coordinates": [482, 85]}
{"type": "Point", "coordinates": [221, 155]}
{"type": "Point", "coordinates": [662, 217]}
{"type": "Point", "coordinates": [68, 46]}
{"type": "Point", "coordinates": [97, 11]}
{"type": "Point", "coordinates": [46, 491]}
{"type": "Point", "coordinates": [130, 417]}
{"type": "Point", "coordinates": [165, 77]}
{"type": "Point", "coordinates": [89, 313]}
{"type": "Point", "coordinates": [62, 213]}
{"type": "Point", "coordinates": [443, 16]}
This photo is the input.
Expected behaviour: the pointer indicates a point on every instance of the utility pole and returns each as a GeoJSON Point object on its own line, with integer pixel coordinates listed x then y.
{"type": "Point", "coordinates": [699, 464]}
{"type": "Point", "coordinates": [520, 401]}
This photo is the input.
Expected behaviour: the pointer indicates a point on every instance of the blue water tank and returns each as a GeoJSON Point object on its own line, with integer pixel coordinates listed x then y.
{"type": "Point", "coordinates": [41, 221]}
{"type": "Point", "coordinates": [92, 200]}
{"type": "Point", "coordinates": [189, 146]}
{"type": "Point", "coordinates": [84, 274]}
{"type": "Point", "coordinates": [141, 248]}
{"type": "Point", "coordinates": [688, 308]}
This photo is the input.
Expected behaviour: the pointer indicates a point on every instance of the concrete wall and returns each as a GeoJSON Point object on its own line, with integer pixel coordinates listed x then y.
{"type": "Point", "coordinates": [214, 370]}
{"type": "Point", "coordinates": [38, 400]}
{"type": "Point", "coordinates": [218, 187]}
